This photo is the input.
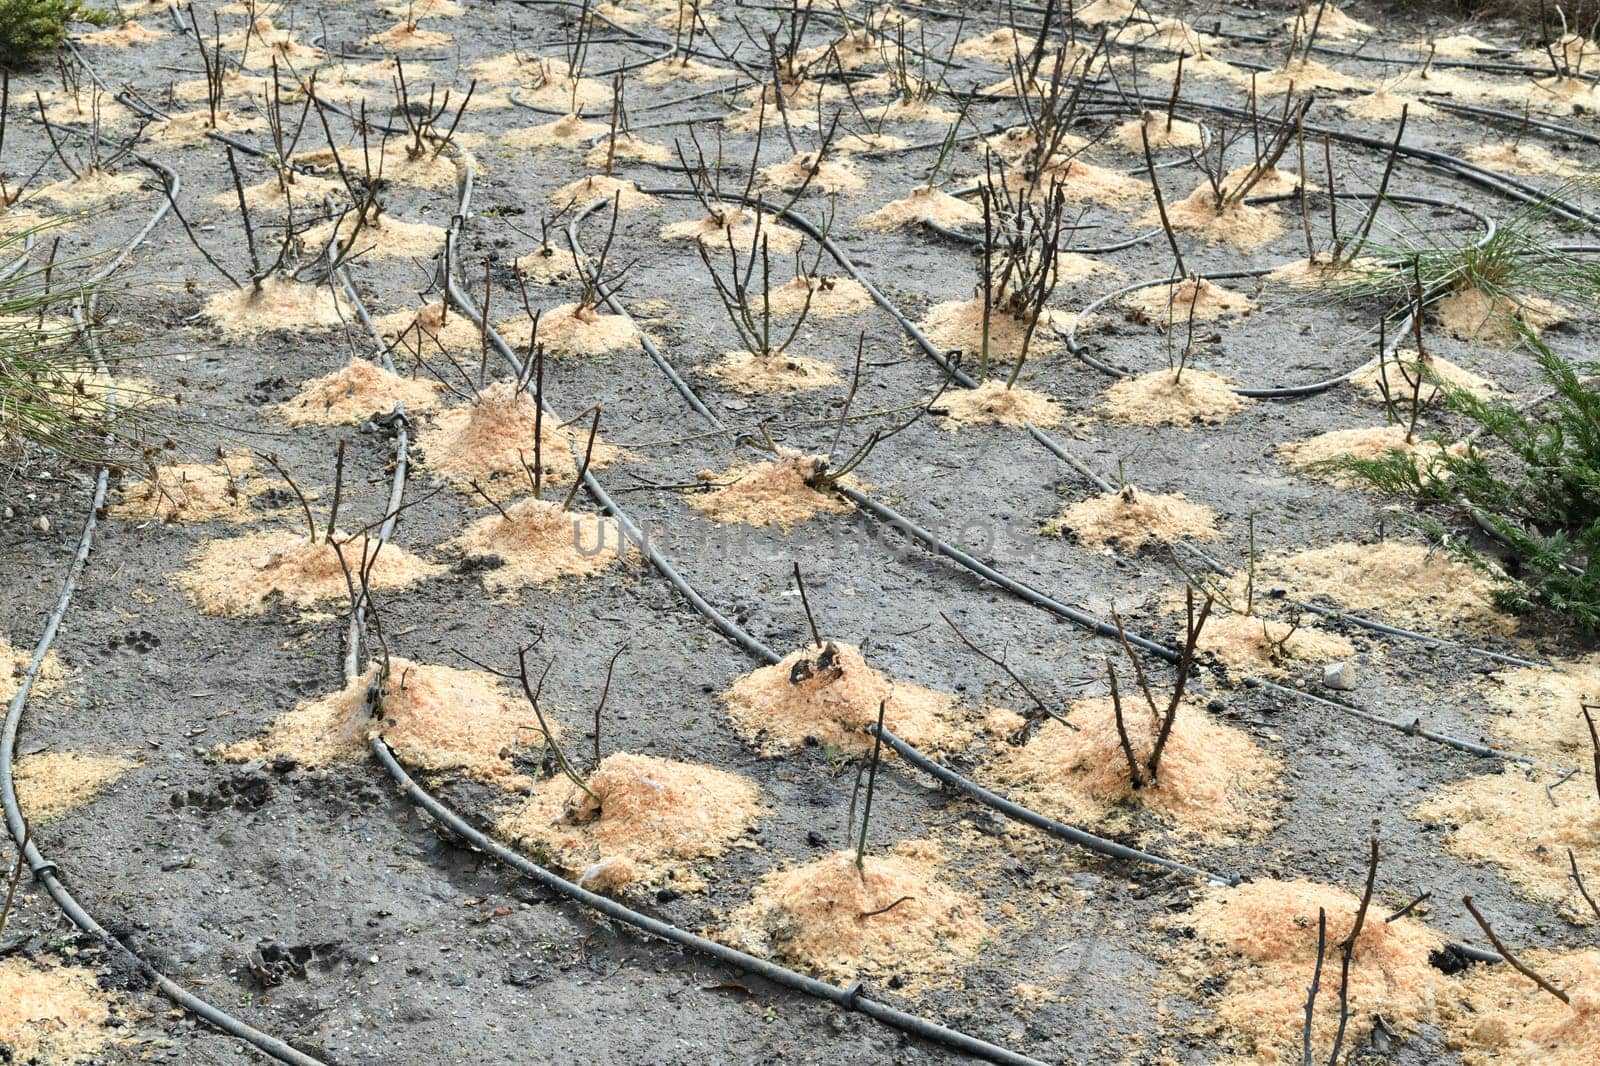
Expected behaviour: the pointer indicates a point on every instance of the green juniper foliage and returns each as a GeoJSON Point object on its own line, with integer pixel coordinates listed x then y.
{"type": "Point", "coordinates": [1534, 485]}
{"type": "Point", "coordinates": [31, 28]}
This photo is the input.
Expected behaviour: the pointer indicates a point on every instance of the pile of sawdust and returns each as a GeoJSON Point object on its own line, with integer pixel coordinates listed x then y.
{"type": "Point", "coordinates": [922, 203]}
{"type": "Point", "coordinates": [537, 541]}
{"type": "Point", "coordinates": [430, 328]}
{"type": "Point", "coordinates": [1396, 578]}
{"type": "Point", "coordinates": [825, 176]}
{"type": "Point", "coordinates": [1328, 21]}
{"type": "Point", "coordinates": [194, 492]}
{"type": "Point", "coordinates": [737, 227]}
{"type": "Point", "coordinates": [1304, 75]}
{"type": "Point", "coordinates": [90, 189]}
{"type": "Point", "coordinates": [51, 1015]}
{"type": "Point", "coordinates": [1130, 519]}
{"type": "Point", "coordinates": [830, 297]}
{"type": "Point", "coordinates": [1213, 780]}
{"type": "Point", "coordinates": [1073, 266]}
{"type": "Point", "coordinates": [126, 35]}
{"type": "Point", "coordinates": [1172, 304]}
{"type": "Point", "coordinates": [547, 264]}
{"type": "Point", "coordinates": [999, 47]}
{"type": "Point", "coordinates": [1508, 819]}
{"type": "Point", "coordinates": [192, 127]}
{"type": "Point", "coordinates": [993, 403]}
{"type": "Point", "coordinates": [893, 915]}
{"type": "Point", "coordinates": [1381, 105]}
{"type": "Point", "coordinates": [1533, 159]}
{"type": "Point", "coordinates": [356, 392]}
{"type": "Point", "coordinates": [421, 9]}
{"type": "Point", "coordinates": [867, 141]}
{"type": "Point", "coordinates": [384, 237]}
{"type": "Point", "coordinates": [831, 695]}
{"type": "Point", "coordinates": [653, 817]}
{"type": "Point", "coordinates": [271, 194]}
{"type": "Point", "coordinates": [1162, 398]}
{"type": "Point", "coordinates": [917, 109]}
{"type": "Point", "coordinates": [1493, 318]}
{"type": "Point", "coordinates": [1499, 1016]}
{"type": "Point", "coordinates": [627, 146]}
{"type": "Point", "coordinates": [488, 441]}
{"type": "Point", "coordinates": [1266, 933]}
{"type": "Point", "coordinates": [1239, 225]}
{"type": "Point", "coordinates": [1551, 96]}
{"type": "Point", "coordinates": [242, 576]}
{"type": "Point", "coordinates": [14, 663]}
{"type": "Point", "coordinates": [1322, 271]}
{"type": "Point", "coordinates": [1249, 645]}
{"type": "Point", "coordinates": [1271, 181]}
{"type": "Point", "coordinates": [774, 493]}
{"type": "Point", "coordinates": [1181, 134]}
{"type": "Point", "coordinates": [261, 33]}
{"type": "Point", "coordinates": [436, 718]}
{"type": "Point", "coordinates": [575, 330]}
{"type": "Point", "coordinates": [394, 165]}
{"type": "Point", "coordinates": [235, 83]}
{"type": "Point", "coordinates": [280, 303]}
{"type": "Point", "coordinates": [407, 36]}
{"type": "Point", "coordinates": [681, 68]}
{"type": "Point", "coordinates": [570, 131]}
{"type": "Point", "coordinates": [53, 783]}
{"type": "Point", "coordinates": [1084, 181]}
{"type": "Point", "coordinates": [1015, 143]}
{"type": "Point", "coordinates": [775, 372]}
{"type": "Point", "coordinates": [1320, 455]}
{"type": "Point", "coordinates": [958, 324]}
{"type": "Point", "coordinates": [625, 195]}
{"type": "Point", "coordinates": [1102, 12]}
{"type": "Point", "coordinates": [1543, 708]}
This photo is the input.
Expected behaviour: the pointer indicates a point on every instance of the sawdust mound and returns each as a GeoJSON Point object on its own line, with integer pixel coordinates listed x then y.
{"type": "Point", "coordinates": [1395, 578]}
{"type": "Point", "coordinates": [430, 328]}
{"type": "Point", "coordinates": [774, 493]}
{"type": "Point", "coordinates": [831, 297]}
{"type": "Point", "coordinates": [1102, 12]}
{"type": "Point", "coordinates": [1317, 455]}
{"type": "Point", "coordinates": [656, 814]}
{"type": "Point", "coordinates": [537, 542]}
{"type": "Point", "coordinates": [1000, 47]}
{"type": "Point", "coordinates": [831, 695]}
{"type": "Point", "coordinates": [489, 440]}
{"type": "Point", "coordinates": [1130, 519]}
{"type": "Point", "coordinates": [90, 189]}
{"type": "Point", "coordinates": [272, 195]}
{"type": "Point", "coordinates": [1493, 318]}
{"type": "Point", "coordinates": [922, 203]}
{"type": "Point", "coordinates": [736, 226]}
{"type": "Point", "coordinates": [1249, 645]}
{"type": "Point", "coordinates": [1016, 143]}
{"type": "Point", "coordinates": [958, 324]}
{"type": "Point", "coordinates": [280, 303]}
{"type": "Point", "coordinates": [241, 576]}
{"type": "Point", "coordinates": [436, 718]}
{"type": "Point", "coordinates": [1303, 75]}
{"type": "Point", "coordinates": [407, 36]}
{"type": "Point", "coordinates": [547, 264]}
{"type": "Point", "coordinates": [126, 35]}
{"type": "Point", "coordinates": [1322, 271]}
{"type": "Point", "coordinates": [1214, 781]}
{"type": "Point", "coordinates": [385, 237]}
{"type": "Point", "coordinates": [753, 374]}
{"type": "Point", "coordinates": [1266, 935]}
{"type": "Point", "coordinates": [1084, 181]}
{"type": "Point", "coordinates": [54, 783]}
{"type": "Point", "coordinates": [844, 923]}
{"type": "Point", "coordinates": [584, 191]}
{"type": "Point", "coordinates": [192, 127]}
{"type": "Point", "coordinates": [570, 131]}
{"type": "Point", "coordinates": [1381, 105]}
{"type": "Point", "coordinates": [429, 170]}
{"type": "Point", "coordinates": [1507, 819]}
{"type": "Point", "coordinates": [681, 68]}
{"type": "Point", "coordinates": [1182, 134]}
{"type": "Point", "coordinates": [14, 663]}
{"type": "Point", "coordinates": [1533, 159]}
{"type": "Point", "coordinates": [578, 331]}
{"type": "Point", "coordinates": [1499, 1016]}
{"type": "Point", "coordinates": [1199, 397]}
{"type": "Point", "coordinates": [1172, 304]}
{"type": "Point", "coordinates": [1543, 708]}
{"type": "Point", "coordinates": [825, 176]}
{"type": "Point", "coordinates": [51, 1015]}
{"type": "Point", "coordinates": [628, 147]}
{"type": "Point", "coordinates": [356, 392]}
{"type": "Point", "coordinates": [194, 492]}
{"type": "Point", "coordinates": [1435, 369]}
{"type": "Point", "coordinates": [991, 403]}
{"type": "Point", "coordinates": [1239, 225]}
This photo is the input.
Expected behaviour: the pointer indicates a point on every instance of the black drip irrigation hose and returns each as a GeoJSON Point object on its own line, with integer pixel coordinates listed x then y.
{"type": "Point", "coordinates": [1022, 590]}
{"type": "Point", "coordinates": [44, 870]}
{"type": "Point", "coordinates": [1543, 125]}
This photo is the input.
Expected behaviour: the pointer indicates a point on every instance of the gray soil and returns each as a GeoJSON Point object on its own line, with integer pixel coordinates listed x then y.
{"type": "Point", "coordinates": [405, 947]}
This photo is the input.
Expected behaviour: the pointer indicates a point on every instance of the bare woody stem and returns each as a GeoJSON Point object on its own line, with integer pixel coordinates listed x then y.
{"type": "Point", "coordinates": [1516, 964]}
